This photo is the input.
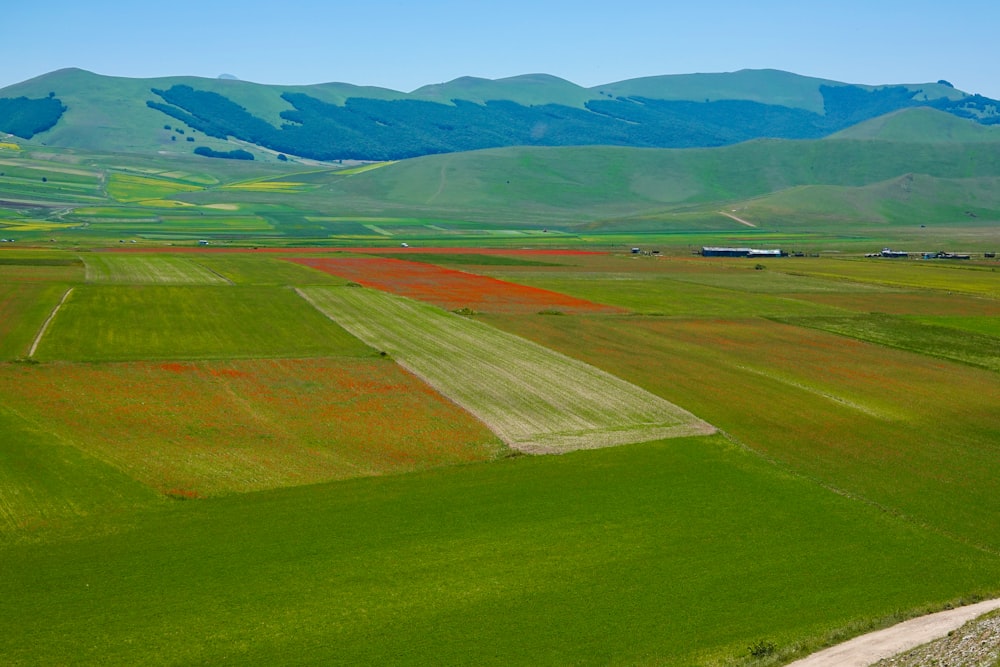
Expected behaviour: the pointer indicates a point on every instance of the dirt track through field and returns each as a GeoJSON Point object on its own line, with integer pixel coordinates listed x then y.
{"type": "Point", "coordinates": [48, 321]}
{"type": "Point", "coordinates": [869, 649]}
{"type": "Point", "coordinates": [739, 220]}
{"type": "Point", "coordinates": [535, 399]}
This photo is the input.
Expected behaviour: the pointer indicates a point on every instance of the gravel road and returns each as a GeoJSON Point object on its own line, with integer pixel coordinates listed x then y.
{"type": "Point", "coordinates": [892, 645]}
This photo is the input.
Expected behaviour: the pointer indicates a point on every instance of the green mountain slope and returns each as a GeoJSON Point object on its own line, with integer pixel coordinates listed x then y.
{"type": "Point", "coordinates": [767, 86]}
{"type": "Point", "coordinates": [906, 200]}
{"type": "Point", "coordinates": [526, 90]}
{"type": "Point", "coordinates": [589, 183]}
{"type": "Point", "coordinates": [110, 114]}
{"type": "Point", "coordinates": [764, 86]}
{"type": "Point", "coordinates": [836, 186]}
{"type": "Point", "coordinates": [340, 121]}
{"type": "Point", "coordinates": [921, 125]}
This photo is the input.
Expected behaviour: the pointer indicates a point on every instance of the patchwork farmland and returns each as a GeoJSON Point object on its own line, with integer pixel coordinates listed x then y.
{"type": "Point", "coordinates": [245, 449]}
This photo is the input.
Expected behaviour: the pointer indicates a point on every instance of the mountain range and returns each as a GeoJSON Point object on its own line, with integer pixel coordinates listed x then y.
{"type": "Point", "coordinates": [226, 117]}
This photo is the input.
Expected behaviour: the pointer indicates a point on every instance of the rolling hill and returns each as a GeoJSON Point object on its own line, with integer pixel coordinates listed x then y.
{"type": "Point", "coordinates": [921, 125]}
{"type": "Point", "coordinates": [597, 185]}
{"type": "Point", "coordinates": [834, 187]}
{"type": "Point", "coordinates": [336, 121]}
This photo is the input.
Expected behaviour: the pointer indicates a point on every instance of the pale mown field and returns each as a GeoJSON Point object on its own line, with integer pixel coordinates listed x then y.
{"type": "Point", "coordinates": [149, 269]}
{"type": "Point", "coordinates": [535, 399]}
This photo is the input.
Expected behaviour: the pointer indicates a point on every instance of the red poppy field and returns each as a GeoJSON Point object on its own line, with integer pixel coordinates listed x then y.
{"type": "Point", "coordinates": [513, 252]}
{"type": "Point", "coordinates": [202, 429]}
{"type": "Point", "coordinates": [450, 289]}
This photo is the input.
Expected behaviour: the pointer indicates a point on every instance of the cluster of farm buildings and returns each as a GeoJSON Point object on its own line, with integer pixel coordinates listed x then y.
{"type": "Point", "coordinates": [896, 254]}
{"type": "Point", "coordinates": [710, 251]}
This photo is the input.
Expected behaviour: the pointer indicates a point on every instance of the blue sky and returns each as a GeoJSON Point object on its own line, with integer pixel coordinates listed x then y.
{"type": "Point", "coordinates": [403, 45]}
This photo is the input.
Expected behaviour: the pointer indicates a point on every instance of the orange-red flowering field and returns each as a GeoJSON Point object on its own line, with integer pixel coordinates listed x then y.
{"type": "Point", "coordinates": [449, 288]}
{"type": "Point", "coordinates": [202, 429]}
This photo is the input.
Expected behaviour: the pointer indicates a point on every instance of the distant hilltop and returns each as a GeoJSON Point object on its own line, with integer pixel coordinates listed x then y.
{"type": "Point", "coordinates": [335, 121]}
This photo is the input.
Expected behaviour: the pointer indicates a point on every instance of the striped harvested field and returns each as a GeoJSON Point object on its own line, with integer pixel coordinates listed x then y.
{"type": "Point", "coordinates": [149, 269]}
{"type": "Point", "coordinates": [535, 399]}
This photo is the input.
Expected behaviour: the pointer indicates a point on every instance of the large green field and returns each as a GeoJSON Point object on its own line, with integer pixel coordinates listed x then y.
{"type": "Point", "coordinates": [677, 552]}
{"type": "Point", "coordinates": [121, 322]}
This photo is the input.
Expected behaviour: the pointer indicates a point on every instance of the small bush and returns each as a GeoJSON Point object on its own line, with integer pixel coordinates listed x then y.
{"type": "Point", "coordinates": [237, 154]}
{"type": "Point", "coordinates": [762, 648]}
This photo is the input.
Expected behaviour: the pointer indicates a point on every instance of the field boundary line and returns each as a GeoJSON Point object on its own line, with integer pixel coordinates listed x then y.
{"type": "Point", "coordinates": [213, 271]}
{"type": "Point", "coordinates": [48, 321]}
{"type": "Point", "coordinates": [839, 400]}
{"type": "Point", "coordinates": [887, 510]}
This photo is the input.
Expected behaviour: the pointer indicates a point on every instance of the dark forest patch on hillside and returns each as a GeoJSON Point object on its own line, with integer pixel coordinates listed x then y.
{"type": "Point", "coordinates": [374, 129]}
{"type": "Point", "coordinates": [25, 117]}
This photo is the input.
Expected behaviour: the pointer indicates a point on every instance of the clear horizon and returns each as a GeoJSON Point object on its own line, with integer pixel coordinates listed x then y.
{"type": "Point", "coordinates": [404, 46]}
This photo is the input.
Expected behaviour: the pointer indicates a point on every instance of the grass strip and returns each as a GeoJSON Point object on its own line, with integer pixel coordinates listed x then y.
{"type": "Point", "coordinates": [964, 346]}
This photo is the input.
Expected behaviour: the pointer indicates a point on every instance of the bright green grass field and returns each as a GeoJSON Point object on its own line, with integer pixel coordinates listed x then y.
{"type": "Point", "coordinates": [184, 225]}
{"type": "Point", "coordinates": [37, 179]}
{"type": "Point", "coordinates": [672, 553]}
{"type": "Point", "coordinates": [249, 269]}
{"type": "Point", "coordinates": [45, 482]}
{"type": "Point", "coordinates": [986, 325]}
{"type": "Point", "coordinates": [24, 307]}
{"type": "Point", "coordinates": [119, 323]}
{"type": "Point", "coordinates": [976, 342]}
{"type": "Point", "coordinates": [653, 294]}
{"type": "Point", "coordinates": [915, 435]}
{"type": "Point", "coordinates": [130, 187]}
{"type": "Point", "coordinates": [35, 266]}
{"type": "Point", "coordinates": [906, 273]}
